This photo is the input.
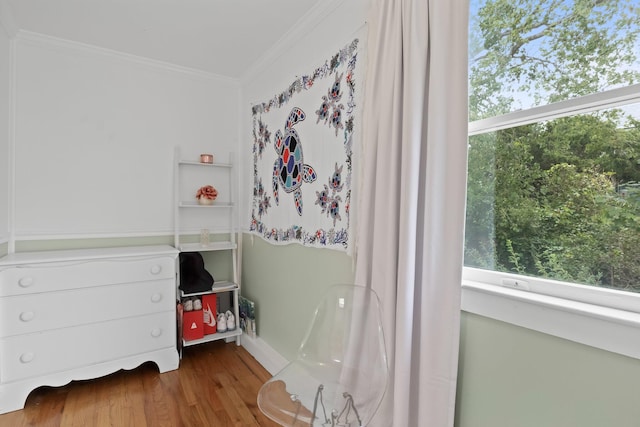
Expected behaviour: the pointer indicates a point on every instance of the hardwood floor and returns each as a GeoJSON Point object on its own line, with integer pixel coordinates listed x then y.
{"type": "Point", "coordinates": [216, 385]}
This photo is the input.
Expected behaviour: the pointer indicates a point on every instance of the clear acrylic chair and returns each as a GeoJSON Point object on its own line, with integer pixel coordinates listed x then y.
{"type": "Point", "coordinates": [340, 373]}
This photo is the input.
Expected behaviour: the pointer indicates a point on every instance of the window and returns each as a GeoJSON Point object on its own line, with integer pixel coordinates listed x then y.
{"type": "Point", "coordinates": [553, 192]}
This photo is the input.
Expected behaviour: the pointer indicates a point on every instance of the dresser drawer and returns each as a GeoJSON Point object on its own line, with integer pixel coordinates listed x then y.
{"type": "Point", "coordinates": [33, 355]}
{"type": "Point", "coordinates": [48, 277]}
{"type": "Point", "coordinates": [39, 312]}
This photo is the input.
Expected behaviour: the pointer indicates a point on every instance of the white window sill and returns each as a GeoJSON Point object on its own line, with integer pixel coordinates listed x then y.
{"type": "Point", "coordinates": [606, 328]}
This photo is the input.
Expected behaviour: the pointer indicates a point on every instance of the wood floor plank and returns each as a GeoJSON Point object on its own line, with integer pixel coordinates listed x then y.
{"type": "Point", "coordinates": [161, 408]}
{"type": "Point", "coordinates": [101, 401]}
{"type": "Point", "coordinates": [131, 396]}
{"type": "Point", "coordinates": [45, 408]}
{"type": "Point", "coordinates": [216, 385]}
{"type": "Point", "coordinates": [79, 406]}
{"type": "Point", "coordinates": [234, 404]}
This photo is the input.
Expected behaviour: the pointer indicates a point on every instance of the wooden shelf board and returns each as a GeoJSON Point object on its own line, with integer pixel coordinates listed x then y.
{"type": "Point", "coordinates": [217, 288]}
{"type": "Point", "coordinates": [213, 246]}
{"type": "Point", "coordinates": [213, 337]}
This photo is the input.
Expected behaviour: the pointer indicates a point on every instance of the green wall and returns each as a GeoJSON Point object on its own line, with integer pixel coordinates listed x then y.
{"type": "Point", "coordinates": [51, 245]}
{"type": "Point", "coordinates": [515, 377]}
{"type": "Point", "coordinates": [286, 282]}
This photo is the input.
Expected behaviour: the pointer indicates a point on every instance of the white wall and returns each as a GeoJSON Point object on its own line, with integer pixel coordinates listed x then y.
{"type": "Point", "coordinates": [5, 63]}
{"type": "Point", "coordinates": [95, 134]}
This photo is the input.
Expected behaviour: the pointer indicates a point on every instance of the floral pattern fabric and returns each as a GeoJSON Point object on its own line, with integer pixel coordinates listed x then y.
{"type": "Point", "coordinates": [303, 140]}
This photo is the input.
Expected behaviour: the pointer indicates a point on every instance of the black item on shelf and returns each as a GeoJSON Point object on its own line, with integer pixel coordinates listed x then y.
{"type": "Point", "coordinates": [193, 276]}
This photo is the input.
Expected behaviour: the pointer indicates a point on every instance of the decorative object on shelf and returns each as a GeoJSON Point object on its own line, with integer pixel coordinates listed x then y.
{"type": "Point", "coordinates": [204, 237]}
{"type": "Point", "coordinates": [206, 195]}
{"type": "Point", "coordinates": [206, 158]}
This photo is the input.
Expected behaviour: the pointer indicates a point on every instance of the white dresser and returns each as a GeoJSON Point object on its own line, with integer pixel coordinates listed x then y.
{"type": "Point", "coordinates": [80, 314]}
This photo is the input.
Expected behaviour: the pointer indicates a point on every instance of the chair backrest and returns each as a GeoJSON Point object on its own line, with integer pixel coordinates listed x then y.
{"type": "Point", "coordinates": [340, 373]}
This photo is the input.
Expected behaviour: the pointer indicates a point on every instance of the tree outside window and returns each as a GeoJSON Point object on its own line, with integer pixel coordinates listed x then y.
{"type": "Point", "coordinates": [557, 198]}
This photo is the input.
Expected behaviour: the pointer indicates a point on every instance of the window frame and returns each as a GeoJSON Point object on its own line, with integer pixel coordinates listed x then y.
{"type": "Point", "coordinates": [603, 318]}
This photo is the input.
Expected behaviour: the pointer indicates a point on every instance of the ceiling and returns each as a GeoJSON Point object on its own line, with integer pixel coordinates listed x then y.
{"type": "Point", "coordinates": [222, 37]}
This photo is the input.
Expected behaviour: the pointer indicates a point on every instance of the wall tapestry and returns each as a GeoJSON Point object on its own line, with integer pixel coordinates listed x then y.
{"type": "Point", "coordinates": [302, 157]}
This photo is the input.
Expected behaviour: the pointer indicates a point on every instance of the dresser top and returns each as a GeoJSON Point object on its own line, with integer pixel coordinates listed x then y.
{"type": "Point", "coordinates": [86, 254]}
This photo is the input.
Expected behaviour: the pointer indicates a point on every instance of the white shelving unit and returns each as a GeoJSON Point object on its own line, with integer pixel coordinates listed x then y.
{"type": "Point", "coordinates": [220, 217]}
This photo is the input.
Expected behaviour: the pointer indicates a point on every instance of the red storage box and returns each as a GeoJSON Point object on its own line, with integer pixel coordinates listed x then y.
{"type": "Point", "coordinates": [192, 327]}
{"type": "Point", "coordinates": [209, 313]}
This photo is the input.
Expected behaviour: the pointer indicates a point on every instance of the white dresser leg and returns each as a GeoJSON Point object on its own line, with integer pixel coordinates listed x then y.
{"type": "Point", "coordinates": [167, 360]}
{"type": "Point", "coordinates": [13, 397]}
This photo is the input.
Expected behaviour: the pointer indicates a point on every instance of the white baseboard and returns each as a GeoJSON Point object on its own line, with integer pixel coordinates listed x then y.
{"type": "Point", "coordinates": [272, 361]}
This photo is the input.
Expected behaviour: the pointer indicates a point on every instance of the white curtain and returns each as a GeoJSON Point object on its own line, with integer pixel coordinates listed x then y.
{"type": "Point", "coordinates": [411, 212]}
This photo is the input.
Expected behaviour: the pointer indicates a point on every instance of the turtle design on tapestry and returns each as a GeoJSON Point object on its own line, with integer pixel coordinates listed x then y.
{"type": "Point", "coordinates": [323, 111]}
{"type": "Point", "coordinates": [330, 102]}
{"type": "Point", "coordinates": [334, 92]}
{"type": "Point", "coordinates": [289, 169]}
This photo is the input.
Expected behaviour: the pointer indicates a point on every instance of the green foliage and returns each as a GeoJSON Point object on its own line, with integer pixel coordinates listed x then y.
{"type": "Point", "coordinates": [556, 210]}
{"type": "Point", "coordinates": [551, 49]}
{"type": "Point", "coordinates": [558, 199]}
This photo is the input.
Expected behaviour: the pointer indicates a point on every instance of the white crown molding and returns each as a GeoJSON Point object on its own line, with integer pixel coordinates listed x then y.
{"type": "Point", "coordinates": [56, 42]}
{"type": "Point", "coordinates": [305, 25]}
{"type": "Point", "coordinates": [7, 21]}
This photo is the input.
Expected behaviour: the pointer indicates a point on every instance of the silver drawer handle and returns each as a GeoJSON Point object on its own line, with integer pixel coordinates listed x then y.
{"type": "Point", "coordinates": [25, 282]}
{"type": "Point", "coordinates": [27, 357]}
{"type": "Point", "coordinates": [156, 332]}
{"type": "Point", "coordinates": [27, 316]}
{"type": "Point", "coordinates": [157, 297]}
{"type": "Point", "coordinates": [156, 269]}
